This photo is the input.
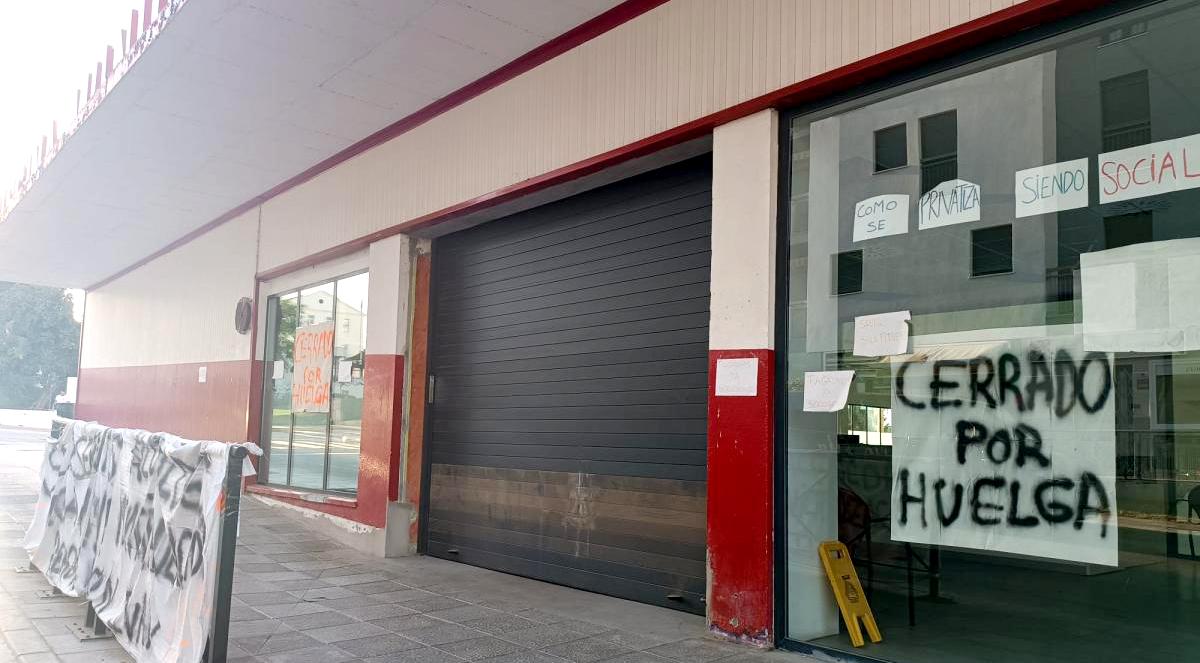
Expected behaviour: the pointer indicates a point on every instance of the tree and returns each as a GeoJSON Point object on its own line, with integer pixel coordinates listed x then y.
{"type": "Point", "coordinates": [39, 345]}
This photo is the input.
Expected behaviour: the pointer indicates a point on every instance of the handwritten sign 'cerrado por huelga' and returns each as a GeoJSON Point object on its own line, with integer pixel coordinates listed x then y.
{"type": "Point", "coordinates": [1006, 446]}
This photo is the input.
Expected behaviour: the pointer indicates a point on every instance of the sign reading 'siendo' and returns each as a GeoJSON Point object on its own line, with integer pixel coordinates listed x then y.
{"type": "Point", "coordinates": [1006, 446]}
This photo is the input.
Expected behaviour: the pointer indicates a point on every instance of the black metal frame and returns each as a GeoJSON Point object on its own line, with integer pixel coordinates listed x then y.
{"type": "Point", "coordinates": [267, 391]}
{"type": "Point", "coordinates": [981, 57]}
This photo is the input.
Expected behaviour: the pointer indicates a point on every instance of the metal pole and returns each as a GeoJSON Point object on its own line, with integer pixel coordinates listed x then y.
{"type": "Point", "coordinates": [218, 642]}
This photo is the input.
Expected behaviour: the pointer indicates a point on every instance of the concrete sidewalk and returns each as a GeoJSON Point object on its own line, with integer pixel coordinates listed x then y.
{"type": "Point", "coordinates": [300, 596]}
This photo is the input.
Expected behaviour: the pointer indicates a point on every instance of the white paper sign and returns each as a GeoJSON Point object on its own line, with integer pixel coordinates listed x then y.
{"type": "Point", "coordinates": [881, 216]}
{"type": "Point", "coordinates": [202, 374]}
{"type": "Point", "coordinates": [1143, 297]}
{"type": "Point", "coordinates": [826, 391]}
{"type": "Point", "coordinates": [737, 377]}
{"type": "Point", "coordinates": [1148, 170]}
{"type": "Point", "coordinates": [343, 374]}
{"type": "Point", "coordinates": [277, 369]}
{"type": "Point", "coordinates": [137, 535]}
{"type": "Point", "coordinates": [951, 202]}
{"type": "Point", "coordinates": [1012, 450]}
{"type": "Point", "coordinates": [1052, 188]}
{"type": "Point", "coordinates": [882, 334]}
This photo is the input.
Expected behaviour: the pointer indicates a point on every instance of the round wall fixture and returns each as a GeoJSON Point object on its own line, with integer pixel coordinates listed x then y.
{"type": "Point", "coordinates": [243, 314]}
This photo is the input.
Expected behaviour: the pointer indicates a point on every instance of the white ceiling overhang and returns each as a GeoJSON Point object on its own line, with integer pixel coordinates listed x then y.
{"type": "Point", "coordinates": [233, 97]}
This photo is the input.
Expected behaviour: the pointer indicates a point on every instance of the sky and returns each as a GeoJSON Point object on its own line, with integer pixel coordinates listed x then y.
{"type": "Point", "coordinates": [47, 48]}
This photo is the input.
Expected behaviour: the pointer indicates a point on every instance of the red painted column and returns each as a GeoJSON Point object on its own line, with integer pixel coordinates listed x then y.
{"type": "Point", "coordinates": [741, 503]}
{"type": "Point", "coordinates": [379, 455]}
{"type": "Point", "coordinates": [741, 436]}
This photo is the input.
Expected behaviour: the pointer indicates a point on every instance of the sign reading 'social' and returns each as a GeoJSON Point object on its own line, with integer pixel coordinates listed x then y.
{"type": "Point", "coordinates": [1011, 450]}
{"type": "Point", "coordinates": [313, 357]}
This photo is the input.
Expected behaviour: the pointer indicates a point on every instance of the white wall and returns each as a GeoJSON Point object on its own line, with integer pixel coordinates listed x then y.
{"type": "Point", "coordinates": [745, 174]}
{"type": "Point", "coordinates": [178, 308]}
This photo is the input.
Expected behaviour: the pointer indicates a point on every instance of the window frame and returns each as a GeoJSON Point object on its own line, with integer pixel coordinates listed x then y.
{"type": "Point", "coordinates": [937, 70]}
{"type": "Point", "coordinates": [268, 391]}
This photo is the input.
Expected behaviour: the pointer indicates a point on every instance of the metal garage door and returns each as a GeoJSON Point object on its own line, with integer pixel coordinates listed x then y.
{"type": "Point", "coordinates": [568, 426]}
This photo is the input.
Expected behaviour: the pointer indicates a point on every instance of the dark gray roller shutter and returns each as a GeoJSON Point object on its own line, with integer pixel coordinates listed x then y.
{"type": "Point", "coordinates": [570, 352]}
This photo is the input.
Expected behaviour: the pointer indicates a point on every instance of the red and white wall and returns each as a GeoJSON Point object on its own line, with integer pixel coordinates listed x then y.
{"type": "Point", "coordinates": [148, 335]}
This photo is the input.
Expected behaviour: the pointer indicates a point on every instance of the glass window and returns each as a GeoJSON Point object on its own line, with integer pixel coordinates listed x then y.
{"type": "Point", "coordinates": [891, 148]}
{"type": "Point", "coordinates": [939, 149]}
{"type": "Point", "coordinates": [849, 272]}
{"type": "Point", "coordinates": [991, 251]}
{"type": "Point", "coordinates": [1022, 483]}
{"type": "Point", "coordinates": [314, 385]}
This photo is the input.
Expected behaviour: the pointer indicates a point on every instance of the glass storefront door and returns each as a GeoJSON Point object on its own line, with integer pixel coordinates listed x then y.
{"type": "Point", "coordinates": [1003, 260]}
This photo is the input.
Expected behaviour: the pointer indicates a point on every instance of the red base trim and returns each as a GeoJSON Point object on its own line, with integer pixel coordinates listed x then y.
{"type": "Point", "coordinates": [170, 398]}
{"type": "Point", "coordinates": [741, 505]}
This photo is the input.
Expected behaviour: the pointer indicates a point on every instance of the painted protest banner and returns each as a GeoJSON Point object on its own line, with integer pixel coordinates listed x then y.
{"type": "Point", "coordinates": [1148, 170]}
{"type": "Point", "coordinates": [1009, 450]}
{"type": "Point", "coordinates": [313, 367]}
{"type": "Point", "coordinates": [129, 520]}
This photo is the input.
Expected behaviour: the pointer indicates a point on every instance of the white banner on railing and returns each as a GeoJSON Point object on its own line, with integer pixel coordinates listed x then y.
{"type": "Point", "coordinates": [130, 520]}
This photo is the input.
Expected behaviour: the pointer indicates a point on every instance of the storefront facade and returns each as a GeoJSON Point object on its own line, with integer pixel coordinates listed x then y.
{"type": "Point", "coordinates": [994, 256]}
{"type": "Point", "coordinates": [559, 323]}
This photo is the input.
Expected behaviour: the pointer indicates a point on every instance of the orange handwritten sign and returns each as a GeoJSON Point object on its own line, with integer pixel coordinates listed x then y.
{"type": "Point", "coordinates": [313, 355]}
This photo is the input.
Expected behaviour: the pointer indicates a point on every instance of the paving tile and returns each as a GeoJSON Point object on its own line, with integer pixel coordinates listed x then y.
{"type": "Point", "coordinates": [349, 602]}
{"type": "Point", "coordinates": [584, 627]}
{"type": "Point", "coordinates": [632, 640]}
{"type": "Point", "coordinates": [287, 641]}
{"type": "Point", "coordinates": [542, 636]}
{"type": "Point", "coordinates": [111, 656]}
{"type": "Point", "coordinates": [267, 598]}
{"type": "Point", "coordinates": [696, 650]}
{"type": "Point", "coordinates": [352, 631]}
{"type": "Point", "coordinates": [292, 609]}
{"type": "Point", "coordinates": [262, 567]}
{"type": "Point", "coordinates": [323, 654]}
{"type": "Point", "coordinates": [433, 604]}
{"type": "Point", "coordinates": [356, 579]}
{"type": "Point", "coordinates": [377, 587]}
{"type": "Point", "coordinates": [526, 657]}
{"type": "Point", "coordinates": [406, 623]}
{"type": "Point", "coordinates": [26, 641]}
{"type": "Point", "coordinates": [479, 648]}
{"type": "Point", "coordinates": [252, 628]}
{"type": "Point", "coordinates": [40, 657]}
{"type": "Point", "coordinates": [422, 655]}
{"type": "Point", "coordinates": [303, 583]}
{"type": "Point", "coordinates": [464, 613]}
{"type": "Point", "coordinates": [317, 620]}
{"type": "Point", "coordinates": [440, 634]}
{"type": "Point", "coordinates": [500, 623]}
{"type": "Point", "coordinates": [69, 644]}
{"type": "Point", "coordinates": [378, 645]}
{"type": "Point", "coordinates": [638, 657]}
{"type": "Point", "coordinates": [587, 650]}
{"type": "Point", "coordinates": [539, 616]}
{"type": "Point", "coordinates": [402, 595]}
{"type": "Point", "coordinates": [369, 612]}
{"type": "Point", "coordinates": [326, 593]}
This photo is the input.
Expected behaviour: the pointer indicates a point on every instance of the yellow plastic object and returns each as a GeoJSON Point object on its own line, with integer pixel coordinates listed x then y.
{"type": "Point", "coordinates": [848, 591]}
